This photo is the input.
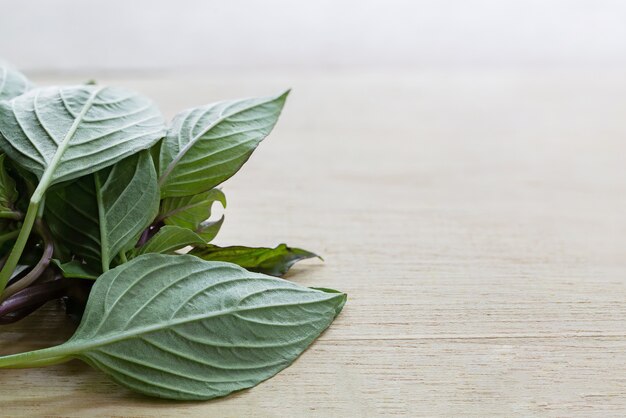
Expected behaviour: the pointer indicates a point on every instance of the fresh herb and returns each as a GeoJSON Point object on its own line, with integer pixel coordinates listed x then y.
{"type": "Point", "coordinates": [98, 200]}
{"type": "Point", "coordinates": [273, 261]}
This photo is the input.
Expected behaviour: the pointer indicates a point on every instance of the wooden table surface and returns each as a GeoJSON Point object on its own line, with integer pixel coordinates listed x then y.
{"type": "Point", "coordinates": [477, 221]}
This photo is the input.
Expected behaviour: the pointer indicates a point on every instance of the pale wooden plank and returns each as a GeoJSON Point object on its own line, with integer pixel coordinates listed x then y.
{"type": "Point", "coordinates": [476, 221]}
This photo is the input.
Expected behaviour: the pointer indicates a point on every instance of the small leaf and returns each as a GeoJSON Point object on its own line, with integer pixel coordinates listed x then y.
{"type": "Point", "coordinates": [274, 261]}
{"type": "Point", "coordinates": [98, 216]}
{"type": "Point", "coordinates": [207, 145]}
{"type": "Point", "coordinates": [75, 270]}
{"type": "Point", "coordinates": [192, 212]}
{"type": "Point", "coordinates": [168, 240]}
{"type": "Point", "coordinates": [178, 327]}
{"type": "Point", "coordinates": [12, 82]}
{"type": "Point", "coordinates": [208, 230]}
{"type": "Point", "coordinates": [62, 133]}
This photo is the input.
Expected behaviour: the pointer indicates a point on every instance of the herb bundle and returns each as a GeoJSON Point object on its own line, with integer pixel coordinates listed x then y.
{"type": "Point", "coordinates": [97, 199]}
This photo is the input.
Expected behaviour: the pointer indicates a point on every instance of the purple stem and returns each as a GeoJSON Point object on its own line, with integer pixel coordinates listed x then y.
{"type": "Point", "coordinates": [144, 237]}
{"type": "Point", "coordinates": [149, 232]}
{"type": "Point", "coordinates": [39, 268]}
{"type": "Point", "coordinates": [30, 299]}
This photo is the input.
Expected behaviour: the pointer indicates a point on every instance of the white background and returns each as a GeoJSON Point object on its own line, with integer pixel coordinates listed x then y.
{"type": "Point", "coordinates": [328, 35]}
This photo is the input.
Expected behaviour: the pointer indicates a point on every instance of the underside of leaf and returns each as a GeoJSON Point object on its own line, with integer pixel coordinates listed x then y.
{"type": "Point", "coordinates": [99, 215]}
{"type": "Point", "coordinates": [68, 132]}
{"type": "Point", "coordinates": [207, 145]}
{"type": "Point", "coordinates": [12, 82]}
{"type": "Point", "coordinates": [181, 328]}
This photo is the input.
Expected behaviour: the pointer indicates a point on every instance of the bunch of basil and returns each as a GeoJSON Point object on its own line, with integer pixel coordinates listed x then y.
{"type": "Point", "coordinates": [98, 197]}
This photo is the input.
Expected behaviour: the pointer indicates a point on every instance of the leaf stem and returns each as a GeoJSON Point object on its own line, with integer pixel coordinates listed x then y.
{"type": "Point", "coordinates": [9, 236]}
{"type": "Point", "coordinates": [22, 238]}
{"type": "Point", "coordinates": [30, 299]}
{"type": "Point", "coordinates": [149, 232]}
{"type": "Point", "coordinates": [36, 358]}
{"type": "Point", "coordinates": [39, 268]}
{"type": "Point", "coordinates": [11, 214]}
{"type": "Point", "coordinates": [42, 206]}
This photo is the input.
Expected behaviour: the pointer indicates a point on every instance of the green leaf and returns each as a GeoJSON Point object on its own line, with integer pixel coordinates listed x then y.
{"type": "Point", "coordinates": [8, 193]}
{"type": "Point", "coordinates": [181, 328]}
{"type": "Point", "coordinates": [274, 261]}
{"type": "Point", "coordinates": [192, 212]}
{"type": "Point", "coordinates": [208, 230]}
{"type": "Point", "coordinates": [26, 182]}
{"type": "Point", "coordinates": [75, 270]}
{"type": "Point", "coordinates": [71, 212]}
{"type": "Point", "coordinates": [207, 145]}
{"type": "Point", "coordinates": [12, 82]}
{"type": "Point", "coordinates": [100, 215]}
{"type": "Point", "coordinates": [168, 240]}
{"type": "Point", "coordinates": [62, 133]}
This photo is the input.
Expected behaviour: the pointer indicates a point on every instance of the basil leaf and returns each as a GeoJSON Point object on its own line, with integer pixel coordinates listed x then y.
{"type": "Point", "coordinates": [8, 193]}
{"type": "Point", "coordinates": [62, 133]}
{"type": "Point", "coordinates": [75, 270]}
{"type": "Point", "coordinates": [12, 82]}
{"type": "Point", "coordinates": [181, 328]}
{"type": "Point", "coordinates": [71, 212]}
{"type": "Point", "coordinates": [208, 230]}
{"type": "Point", "coordinates": [191, 212]}
{"type": "Point", "coordinates": [207, 145]}
{"type": "Point", "coordinates": [168, 240]}
{"type": "Point", "coordinates": [274, 261]}
{"type": "Point", "coordinates": [98, 216]}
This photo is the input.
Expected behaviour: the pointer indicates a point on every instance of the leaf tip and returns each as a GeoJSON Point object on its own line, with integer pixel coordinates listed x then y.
{"type": "Point", "coordinates": [283, 96]}
{"type": "Point", "coordinates": [341, 304]}
{"type": "Point", "coordinates": [302, 253]}
{"type": "Point", "coordinates": [340, 298]}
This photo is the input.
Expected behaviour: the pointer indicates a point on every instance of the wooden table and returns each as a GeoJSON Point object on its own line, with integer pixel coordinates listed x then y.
{"type": "Point", "coordinates": [477, 221]}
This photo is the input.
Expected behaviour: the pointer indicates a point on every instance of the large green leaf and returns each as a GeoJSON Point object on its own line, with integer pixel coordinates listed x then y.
{"type": "Point", "coordinates": [181, 328]}
{"type": "Point", "coordinates": [12, 82]}
{"type": "Point", "coordinates": [274, 261]}
{"type": "Point", "coordinates": [62, 133]}
{"type": "Point", "coordinates": [207, 145]}
{"type": "Point", "coordinates": [192, 212]}
{"type": "Point", "coordinates": [168, 240]}
{"type": "Point", "coordinates": [99, 215]}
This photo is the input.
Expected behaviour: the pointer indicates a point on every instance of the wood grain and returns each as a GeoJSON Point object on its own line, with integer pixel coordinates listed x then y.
{"type": "Point", "coordinates": [476, 220]}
